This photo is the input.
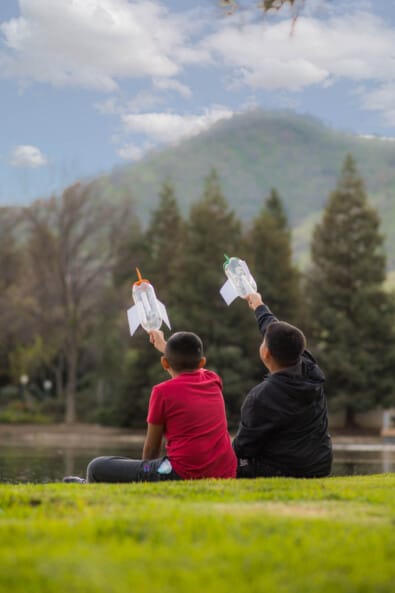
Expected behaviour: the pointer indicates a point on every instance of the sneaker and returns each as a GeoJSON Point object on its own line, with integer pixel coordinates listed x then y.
{"type": "Point", "coordinates": [74, 480]}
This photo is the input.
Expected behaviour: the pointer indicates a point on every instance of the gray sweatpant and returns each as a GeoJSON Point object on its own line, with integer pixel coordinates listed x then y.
{"type": "Point", "coordinates": [123, 469]}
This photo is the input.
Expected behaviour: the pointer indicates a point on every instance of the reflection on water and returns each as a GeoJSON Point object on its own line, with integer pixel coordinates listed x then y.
{"type": "Point", "coordinates": [352, 463]}
{"type": "Point", "coordinates": [43, 464]}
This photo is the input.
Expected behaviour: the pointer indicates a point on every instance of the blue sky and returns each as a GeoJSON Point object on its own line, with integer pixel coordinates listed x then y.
{"type": "Point", "coordinates": [89, 84]}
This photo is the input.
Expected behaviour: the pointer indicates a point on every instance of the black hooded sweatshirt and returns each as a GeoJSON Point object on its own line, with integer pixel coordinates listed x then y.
{"type": "Point", "coordinates": [284, 422]}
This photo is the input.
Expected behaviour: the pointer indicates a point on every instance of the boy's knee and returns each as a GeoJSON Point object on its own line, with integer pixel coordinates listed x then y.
{"type": "Point", "coordinates": [94, 472]}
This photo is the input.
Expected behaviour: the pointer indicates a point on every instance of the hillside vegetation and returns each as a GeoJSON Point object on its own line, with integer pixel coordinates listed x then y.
{"type": "Point", "coordinates": [258, 150]}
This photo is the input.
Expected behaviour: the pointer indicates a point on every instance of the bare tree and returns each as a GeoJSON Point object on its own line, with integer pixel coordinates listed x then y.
{"type": "Point", "coordinates": [9, 257]}
{"type": "Point", "coordinates": [72, 242]}
{"type": "Point", "coordinates": [231, 6]}
{"type": "Point", "coordinates": [10, 264]}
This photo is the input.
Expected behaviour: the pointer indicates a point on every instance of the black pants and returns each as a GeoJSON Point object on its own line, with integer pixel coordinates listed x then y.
{"type": "Point", "coordinates": [123, 469]}
{"type": "Point", "coordinates": [258, 468]}
{"type": "Point", "coordinates": [251, 469]}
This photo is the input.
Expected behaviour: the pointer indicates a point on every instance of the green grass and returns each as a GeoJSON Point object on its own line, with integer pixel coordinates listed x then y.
{"type": "Point", "coordinates": [274, 535]}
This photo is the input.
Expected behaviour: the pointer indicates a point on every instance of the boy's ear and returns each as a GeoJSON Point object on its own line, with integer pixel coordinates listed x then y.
{"type": "Point", "coordinates": [264, 352]}
{"type": "Point", "coordinates": [202, 362]}
{"type": "Point", "coordinates": [165, 363]}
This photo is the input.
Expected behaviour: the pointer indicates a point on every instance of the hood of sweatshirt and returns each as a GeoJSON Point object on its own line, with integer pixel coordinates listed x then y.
{"type": "Point", "coordinates": [302, 382]}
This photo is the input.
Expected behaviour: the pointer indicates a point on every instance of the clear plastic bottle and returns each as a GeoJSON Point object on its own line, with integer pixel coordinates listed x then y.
{"type": "Point", "coordinates": [240, 276]}
{"type": "Point", "coordinates": [147, 305]}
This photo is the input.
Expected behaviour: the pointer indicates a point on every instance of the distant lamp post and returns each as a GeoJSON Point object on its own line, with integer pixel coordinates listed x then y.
{"type": "Point", "coordinates": [47, 387]}
{"type": "Point", "coordinates": [23, 380]}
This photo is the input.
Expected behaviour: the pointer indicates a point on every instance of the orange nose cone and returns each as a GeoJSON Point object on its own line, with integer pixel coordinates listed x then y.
{"type": "Point", "coordinates": [140, 279]}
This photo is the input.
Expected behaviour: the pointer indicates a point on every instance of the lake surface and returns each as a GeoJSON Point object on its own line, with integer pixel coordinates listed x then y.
{"type": "Point", "coordinates": [51, 464]}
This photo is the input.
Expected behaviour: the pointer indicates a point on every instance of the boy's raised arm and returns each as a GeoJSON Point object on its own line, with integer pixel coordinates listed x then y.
{"type": "Point", "coordinates": [262, 312]}
{"type": "Point", "coordinates": [254, 300]}
{"type": "Point", "coordinates": [157, 339]}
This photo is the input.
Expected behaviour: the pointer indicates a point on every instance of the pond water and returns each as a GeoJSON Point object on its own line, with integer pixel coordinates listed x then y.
{"type": "Point", "coordinates": [45, 464]}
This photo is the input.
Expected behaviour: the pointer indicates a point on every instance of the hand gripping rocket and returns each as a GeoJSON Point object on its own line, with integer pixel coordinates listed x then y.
{"type": "Point", "coordinates": [147, 310]}
{"type": "Point", "coordinates": [240, 282]}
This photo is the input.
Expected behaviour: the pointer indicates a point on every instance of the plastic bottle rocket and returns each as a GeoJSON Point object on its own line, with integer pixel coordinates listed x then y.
{"type": "Point", "coordinates": [240, 282]}
{"type": "Point", "coordinates": [147, 310]}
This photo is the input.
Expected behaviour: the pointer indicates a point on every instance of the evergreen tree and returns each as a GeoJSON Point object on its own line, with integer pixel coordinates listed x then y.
{"type": "Point", "coordinates": [156, 252]}
{"type": "Point", "coordinates": [132, 251]}
{"type": "Point", "coordinates": [213, 230]}
{"type": "Point", "coordinates": [270, 256]}
{"type": "Point", "coordinates": [164, 237]}
{"type": "Point", "coordinates": [352, 316]}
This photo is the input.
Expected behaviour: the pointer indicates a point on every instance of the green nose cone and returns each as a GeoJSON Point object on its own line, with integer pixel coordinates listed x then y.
{"type": "Point", "coordinates": [226, 262]}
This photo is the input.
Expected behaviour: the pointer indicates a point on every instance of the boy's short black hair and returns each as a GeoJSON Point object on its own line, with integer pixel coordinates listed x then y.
{"type": "Point", "coordinates": [285, 342]}
{"type": "Point", "coordinates": [184, 350]}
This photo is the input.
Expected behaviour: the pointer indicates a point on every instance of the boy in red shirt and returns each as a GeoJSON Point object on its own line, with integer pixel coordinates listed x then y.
{"type": "Point", "coordinates": [189, 411]}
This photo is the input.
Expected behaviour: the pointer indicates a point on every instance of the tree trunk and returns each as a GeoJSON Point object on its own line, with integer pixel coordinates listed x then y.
{"type": "Point", "coordinates": [100, 392]}
{"type": "Point", "coordinates": [59, 368]}
{"type": "Point", "coordinates": [71, 384]}
{"type": "Point", "coordinates": [350, 418]}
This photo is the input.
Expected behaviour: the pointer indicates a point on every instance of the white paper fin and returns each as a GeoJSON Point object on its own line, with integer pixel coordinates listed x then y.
{"type": "Point", "coordinates": [163, 313]}
{"type": "Point", "coordinates": [133, 319]}
{"type": "Point", "coordinates": [228, 292]}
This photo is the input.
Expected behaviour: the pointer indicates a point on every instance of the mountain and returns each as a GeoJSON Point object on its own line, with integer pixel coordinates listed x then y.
{"type": "Point", "coordinates": [255, 151]}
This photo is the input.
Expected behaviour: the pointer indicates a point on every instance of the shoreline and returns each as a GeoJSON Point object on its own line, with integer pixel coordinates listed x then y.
{"type": "Point", "coordinates": [65, 435]}
{"type": "Point", "coordinates": [87, 435]}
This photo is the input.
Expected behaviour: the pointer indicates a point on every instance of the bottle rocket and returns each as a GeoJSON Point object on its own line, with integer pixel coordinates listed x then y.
{"type": "Point", "coordinates": [147, 311]}
{"type": "Point", "coordinates": [240, 282]}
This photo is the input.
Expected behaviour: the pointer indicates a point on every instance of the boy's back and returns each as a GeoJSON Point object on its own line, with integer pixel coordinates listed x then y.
{"type": "Point", "coordinates": [191, 408]}
{"type": "Point", "coordinates": [284, 422]}
{"type": "Point", "coordinates": [189, 411]}
{"type": "Point", "coordinates": [284, 425]}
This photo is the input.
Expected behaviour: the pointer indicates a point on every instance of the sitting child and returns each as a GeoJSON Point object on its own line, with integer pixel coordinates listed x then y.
{"type": "Point", "coordinates": [283, 428]}
{"type": "Point", "coordinates": [189, 411]}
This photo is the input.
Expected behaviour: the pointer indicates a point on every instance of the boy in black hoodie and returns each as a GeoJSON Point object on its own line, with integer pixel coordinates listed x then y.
{"type": "Point", "coordinates": [283, 427]}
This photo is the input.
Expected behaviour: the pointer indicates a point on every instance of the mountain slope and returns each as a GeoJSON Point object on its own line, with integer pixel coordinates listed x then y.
{"type": "Point", "coordinates": [256, 151]}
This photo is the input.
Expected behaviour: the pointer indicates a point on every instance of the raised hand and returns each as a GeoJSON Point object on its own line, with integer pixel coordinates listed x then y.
{"type": "Point", "coordinates": [157, 339]}
{"type": "Point", "coordinates": [254, 300]}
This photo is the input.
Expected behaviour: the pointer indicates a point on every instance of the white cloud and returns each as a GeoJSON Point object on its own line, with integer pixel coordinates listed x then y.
{"type": "Point", "coordinates": [382, 99]}
{"type": "Point", "coordinates": [93, 43]}
{"type": "Point", "coordinates": [131, 152]}
{"type": "Point", "coordinates": [109, 106]}
{"type": "Point", "coordinates": [270, 56]}
{"type": "Point", "coordinates": [375, 137]}
{"type": "Point", "coordinates": [27, 156]}
{"type": "Point", "coordinates": [142, 101]}
{"type": "Point", "coordinates": [173, 85]}
{"type": "Point", "coordinates": [171, 127]}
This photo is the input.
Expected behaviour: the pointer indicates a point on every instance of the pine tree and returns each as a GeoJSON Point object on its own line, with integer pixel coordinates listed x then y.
{"type": "Point", "coordinates": [212, 230]}
{"type": "Point", "coordinates": [132, 251]}
{"type": "Point", "coordinates": [352, 316]}
{"type": "Point", "coordinates": [156, 252]}
{"type": "Point", "coordinates": [164, 236]}
{"type": "Point", "coordinates": [270, 257]}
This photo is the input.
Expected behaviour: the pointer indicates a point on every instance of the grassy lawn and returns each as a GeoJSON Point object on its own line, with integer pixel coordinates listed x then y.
{"type": "Point", "coordinates": [273, 535]}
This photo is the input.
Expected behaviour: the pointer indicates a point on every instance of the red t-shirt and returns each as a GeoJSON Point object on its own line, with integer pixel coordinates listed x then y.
{"type": "Point", "coordinates": [191, 408]}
